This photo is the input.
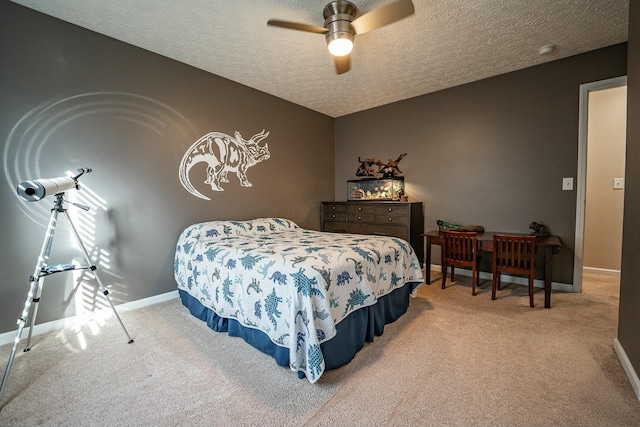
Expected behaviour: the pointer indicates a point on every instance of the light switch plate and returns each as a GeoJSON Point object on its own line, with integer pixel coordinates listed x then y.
{"type": "Point", "coordinates": [618, 183]}
{"type": "Point", "coordinates": [567, 184]}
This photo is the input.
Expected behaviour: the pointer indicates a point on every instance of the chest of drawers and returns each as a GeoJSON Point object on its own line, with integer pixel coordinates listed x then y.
{"type": "Point", "coordinates": [397, 219]}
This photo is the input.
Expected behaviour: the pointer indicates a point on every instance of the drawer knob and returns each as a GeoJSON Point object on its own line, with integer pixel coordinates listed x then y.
{"type": "Point", "coordinates": [333, 207]}
{"type": "Point", "coordinates": [359, 208]}
{"type": "Point", "coordinates": [390, 209]}
{"type": "Point", "coordinates": [359, 218]}
{"type": "Point", "coordinates": [390, 219]}
{"type": "Point", "coordinates": [333, 216]}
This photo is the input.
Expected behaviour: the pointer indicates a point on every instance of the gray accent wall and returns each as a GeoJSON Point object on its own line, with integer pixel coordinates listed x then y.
{"type": "Point", "coordinates": [629, 319]}
{"type": "Point", "coordinates": [72, 98]}
{"type": "Point", "coordinates": [490, 153]}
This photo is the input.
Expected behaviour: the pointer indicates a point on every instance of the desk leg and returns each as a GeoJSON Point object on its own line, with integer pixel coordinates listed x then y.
{"type": "Point", "coordinates": [548, 264]}
{"type": "Point", "coordinates": [427, 260]}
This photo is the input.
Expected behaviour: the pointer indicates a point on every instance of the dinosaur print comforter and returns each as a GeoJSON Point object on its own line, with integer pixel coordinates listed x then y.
{"type": "Point", "coordinates": [292, 284]}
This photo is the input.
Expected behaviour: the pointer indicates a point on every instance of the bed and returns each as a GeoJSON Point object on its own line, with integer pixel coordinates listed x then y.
{"type": "Point", "coordinates": [310, 299]}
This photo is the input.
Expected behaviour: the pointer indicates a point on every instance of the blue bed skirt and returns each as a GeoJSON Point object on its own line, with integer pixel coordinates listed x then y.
{"type": "Point", "coordinates": [359, 327]}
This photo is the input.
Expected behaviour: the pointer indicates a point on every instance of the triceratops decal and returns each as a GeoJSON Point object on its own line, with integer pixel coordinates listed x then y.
{"type": "Point", "coordinates": [223, 154]}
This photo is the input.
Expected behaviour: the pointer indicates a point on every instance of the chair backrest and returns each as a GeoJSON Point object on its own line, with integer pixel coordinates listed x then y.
{"type": "Point", "coordinates": [460, 247]}
{"type": "Point", "coordinates": [514, 253]}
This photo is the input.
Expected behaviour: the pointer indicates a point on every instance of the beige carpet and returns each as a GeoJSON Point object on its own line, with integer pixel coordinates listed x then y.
{"type": "Point", "coordinates": [453, 359]}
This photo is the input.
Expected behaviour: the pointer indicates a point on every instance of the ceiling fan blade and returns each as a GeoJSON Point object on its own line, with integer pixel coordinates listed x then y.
{"type": "Point", "coordinates": [296, 26]}
{"type": "Point", "coordinates": [383, 16]}
{"type": "Point", "coordinates": [343, 63]}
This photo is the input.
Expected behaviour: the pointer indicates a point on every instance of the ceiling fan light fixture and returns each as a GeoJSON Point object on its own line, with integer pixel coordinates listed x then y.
{"type": "Point", "coordinates": [340, 33]}
{"type": "Point", "coordinates": [341, 45]}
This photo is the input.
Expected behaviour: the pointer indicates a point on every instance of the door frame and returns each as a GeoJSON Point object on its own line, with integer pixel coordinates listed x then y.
{"type": "Point", "coordinates": [581, 178]}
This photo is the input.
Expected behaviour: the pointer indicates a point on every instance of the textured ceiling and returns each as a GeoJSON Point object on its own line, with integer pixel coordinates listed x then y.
{"type": "Point", "coordinates": [446, 43]}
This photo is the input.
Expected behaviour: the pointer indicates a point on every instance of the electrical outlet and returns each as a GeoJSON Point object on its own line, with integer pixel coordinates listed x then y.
{"type": "Point", "coordinates": [567, 184]}
{"type": "Point", "coordinates": [618, 183]}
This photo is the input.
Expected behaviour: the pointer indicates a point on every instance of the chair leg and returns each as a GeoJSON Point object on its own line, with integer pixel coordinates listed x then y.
{"type": "Point", "coordinates": [531, 290]}
{"type": "Point", "coordinates": [494, 282]}
{"type": "Point", "coordinates": [444, 274]}
{"type": "Point", "coordinates": [474, 281]}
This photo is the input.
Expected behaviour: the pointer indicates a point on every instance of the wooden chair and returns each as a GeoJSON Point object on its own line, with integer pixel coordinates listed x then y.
{"type": "Point", "coordinates": [513, 254]}
{"type": "Point", "coordinates": [460, 248]}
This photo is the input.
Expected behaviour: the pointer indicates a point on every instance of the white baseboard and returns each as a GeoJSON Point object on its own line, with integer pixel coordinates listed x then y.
{"type": "Point", "coordinates": [602, 271]}
{"type": "Point", "coordinates": [628, 368]}
{"type": "Point", "coordinates": [56, 325]}
{"type": "Point", "coordinates": [556, 286]}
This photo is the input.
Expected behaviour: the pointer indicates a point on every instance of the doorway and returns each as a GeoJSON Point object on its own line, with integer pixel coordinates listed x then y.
{"type": "Point", "coordinates": [601, 177]}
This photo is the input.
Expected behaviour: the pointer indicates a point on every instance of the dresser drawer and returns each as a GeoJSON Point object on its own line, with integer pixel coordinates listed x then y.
{"type": "Point", "coordinates": [335, 212]}
{"type": "Point", "coordinates": [398, 231]}
{"type": "Point", "coordinates": [360, 213]}
{"type": "Point", "coordinates": [391, 215]}
{"type": "Point", "coordinates": [342, 227]}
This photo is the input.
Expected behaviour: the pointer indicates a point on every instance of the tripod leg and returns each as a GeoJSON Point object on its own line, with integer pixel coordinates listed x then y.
{"type": "Point", "coordinates": [34, 289]}
{"type": "Point", "coordinates": [104, 290]}
{"type": "Point", "coordinates": [21, 322]}
{"type": "Point", "coordinates": [34, 312]}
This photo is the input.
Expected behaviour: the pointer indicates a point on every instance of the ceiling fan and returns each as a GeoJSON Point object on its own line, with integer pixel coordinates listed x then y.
{"type": "Point", "coordinates": [341, 26]}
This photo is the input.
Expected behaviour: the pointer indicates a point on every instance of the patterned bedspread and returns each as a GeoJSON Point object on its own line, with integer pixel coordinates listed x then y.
{"type": "Point", "coordinates": [292, 284]}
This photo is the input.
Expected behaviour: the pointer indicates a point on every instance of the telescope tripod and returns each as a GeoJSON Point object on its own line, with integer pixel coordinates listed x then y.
{"type": "Point", "coordinates": [42, 270]}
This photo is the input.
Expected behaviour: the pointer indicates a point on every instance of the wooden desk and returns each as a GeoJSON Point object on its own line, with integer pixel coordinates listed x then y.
{"type": "Point", "coordinates": [548, 244]}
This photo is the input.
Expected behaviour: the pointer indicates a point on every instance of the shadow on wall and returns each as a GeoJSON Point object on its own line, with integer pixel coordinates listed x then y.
{"type": "Point", "coordinates": [41, 137]}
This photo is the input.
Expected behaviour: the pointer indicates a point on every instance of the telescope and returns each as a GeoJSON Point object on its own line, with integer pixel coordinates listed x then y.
{"type": "Point", "coordinates": [38, 189]}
